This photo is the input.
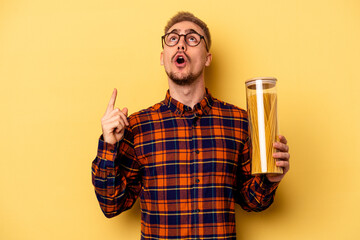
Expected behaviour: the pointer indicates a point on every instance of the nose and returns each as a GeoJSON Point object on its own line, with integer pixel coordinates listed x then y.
{"type": "Point", "coordinates": [182, 43]}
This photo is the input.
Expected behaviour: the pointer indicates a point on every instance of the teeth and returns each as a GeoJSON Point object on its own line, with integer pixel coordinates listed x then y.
{"type": "Point", "coordinates": [180, 59]}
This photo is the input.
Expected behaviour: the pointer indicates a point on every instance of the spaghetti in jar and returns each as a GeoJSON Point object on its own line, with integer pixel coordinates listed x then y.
{"type": "Point", "coordinates": [261, 99]}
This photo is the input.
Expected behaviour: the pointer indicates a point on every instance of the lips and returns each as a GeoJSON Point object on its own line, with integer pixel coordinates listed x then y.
{"type": "Point", "coordinates": [180, 60]}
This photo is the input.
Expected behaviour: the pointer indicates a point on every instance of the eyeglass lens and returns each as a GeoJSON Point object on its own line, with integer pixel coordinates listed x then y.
{"type": "Point", "coordinates": [192, 39]}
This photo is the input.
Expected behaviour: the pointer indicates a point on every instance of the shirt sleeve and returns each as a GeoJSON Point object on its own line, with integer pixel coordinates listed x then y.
{"type": "Point", "coordinates": [253, 193]}
{"type": "Point", "coordinates": [116, 175]}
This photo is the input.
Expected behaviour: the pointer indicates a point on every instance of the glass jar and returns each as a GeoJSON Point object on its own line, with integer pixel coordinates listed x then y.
{"type": "Point", "coordinates": [261, 100]}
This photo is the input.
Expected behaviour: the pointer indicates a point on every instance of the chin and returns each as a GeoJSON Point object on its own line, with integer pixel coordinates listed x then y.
{"type": "Point", "coordinates": [183, 79]}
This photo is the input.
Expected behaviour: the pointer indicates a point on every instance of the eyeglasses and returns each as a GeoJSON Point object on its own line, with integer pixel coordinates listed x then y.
{"type": "Point", "coordinates": [192, 39]}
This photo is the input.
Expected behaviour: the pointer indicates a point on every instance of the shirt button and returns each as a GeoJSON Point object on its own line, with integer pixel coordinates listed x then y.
{"type": "Point", "coordinates": [194, 121]}
{"type": "Point", "coordinates": [197, 210]}
{"type": "Point", "coordinates": [112, 151]}
{"type": "Point", "coordinates": [197, 180]}
{"type": "Point", "coordinates": [197, 151]}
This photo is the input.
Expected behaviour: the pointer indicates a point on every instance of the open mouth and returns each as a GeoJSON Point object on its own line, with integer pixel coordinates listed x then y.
{"type": "Point", "coordinates": [180, 60]}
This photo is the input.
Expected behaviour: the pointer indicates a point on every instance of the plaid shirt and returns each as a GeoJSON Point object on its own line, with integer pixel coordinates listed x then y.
{"type": "Point", "coordinates": [189, 167]}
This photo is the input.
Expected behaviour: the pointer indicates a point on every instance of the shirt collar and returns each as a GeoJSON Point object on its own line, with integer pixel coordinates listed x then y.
{"type": "Point", "coordinates": [201, 108]}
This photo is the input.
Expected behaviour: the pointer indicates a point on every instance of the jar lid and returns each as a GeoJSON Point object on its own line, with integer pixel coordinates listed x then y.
{"type": "Point", "coordinates": [269, 80]}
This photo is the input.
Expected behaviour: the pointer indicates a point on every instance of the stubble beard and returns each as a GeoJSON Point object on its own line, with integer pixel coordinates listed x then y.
{"type": "Point", "coordinates": [183, 80]}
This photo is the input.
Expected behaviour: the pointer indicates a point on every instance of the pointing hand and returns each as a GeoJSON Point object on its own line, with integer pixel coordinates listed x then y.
{"type": "Point", "coordinates": [114, 121]}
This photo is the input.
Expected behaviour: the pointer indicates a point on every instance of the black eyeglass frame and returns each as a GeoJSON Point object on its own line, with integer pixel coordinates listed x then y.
{"type": "Point", "coordinates": [180, 35]}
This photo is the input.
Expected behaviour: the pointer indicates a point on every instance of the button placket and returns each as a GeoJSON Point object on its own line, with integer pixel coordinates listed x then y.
{"type": "Point", "coordinates": [195, 152]}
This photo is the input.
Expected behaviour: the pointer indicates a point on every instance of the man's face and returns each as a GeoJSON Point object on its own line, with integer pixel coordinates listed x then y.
{"type": "Point", "coordinates": [191, 68]}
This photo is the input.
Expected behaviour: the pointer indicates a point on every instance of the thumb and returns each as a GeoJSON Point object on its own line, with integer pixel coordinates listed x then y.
{"type": "Point", "coordinates": [125, 111]}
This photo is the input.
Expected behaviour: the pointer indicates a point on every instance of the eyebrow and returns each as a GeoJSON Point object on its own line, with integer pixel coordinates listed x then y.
{"type": "Point", "coordinates": [186, 31]}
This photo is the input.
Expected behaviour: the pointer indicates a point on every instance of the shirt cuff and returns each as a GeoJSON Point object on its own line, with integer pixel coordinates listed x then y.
{"type": "Point", "coordinates": [266, 184]}
{"type": "Point", "coordinates": [106, 150]}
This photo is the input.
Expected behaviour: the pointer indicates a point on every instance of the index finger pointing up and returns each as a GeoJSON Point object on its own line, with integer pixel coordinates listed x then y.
{"type": "Point", "coordinates": [112, 101]}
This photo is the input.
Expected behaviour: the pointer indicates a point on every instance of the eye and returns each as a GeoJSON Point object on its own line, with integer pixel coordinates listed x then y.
{"type": "Point", "coordinates": [192, 38]}
{"type": "Point", "coordinates": [172, 38]}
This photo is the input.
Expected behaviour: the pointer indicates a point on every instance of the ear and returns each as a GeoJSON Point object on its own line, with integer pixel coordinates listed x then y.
{"type": "Point", "coordinates": [162, 59]}
{"type": "Point", "coordinates": [208, 59]}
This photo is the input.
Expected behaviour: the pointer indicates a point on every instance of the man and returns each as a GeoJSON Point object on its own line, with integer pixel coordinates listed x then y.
{"type": "Point", "coordinates": [187, 157]}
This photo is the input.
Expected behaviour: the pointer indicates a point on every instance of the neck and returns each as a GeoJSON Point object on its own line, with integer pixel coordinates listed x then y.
{"type": "Point", "coordinates": [188, 95]}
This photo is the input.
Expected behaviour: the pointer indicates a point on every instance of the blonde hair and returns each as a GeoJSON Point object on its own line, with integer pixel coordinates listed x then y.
{"type": "Point", "coordinates": [187, 16]}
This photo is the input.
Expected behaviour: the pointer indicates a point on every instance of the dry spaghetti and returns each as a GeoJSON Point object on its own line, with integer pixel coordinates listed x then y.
{"type": "Point", "coordinates": [264, 135]}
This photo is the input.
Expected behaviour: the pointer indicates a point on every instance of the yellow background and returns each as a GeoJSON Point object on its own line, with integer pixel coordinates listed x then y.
{"type": "Point", "coordinates": [60, 60]}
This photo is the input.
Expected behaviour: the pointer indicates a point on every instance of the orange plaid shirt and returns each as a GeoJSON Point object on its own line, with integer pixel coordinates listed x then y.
{"type": "Point", "coordinates": [189, 167]}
